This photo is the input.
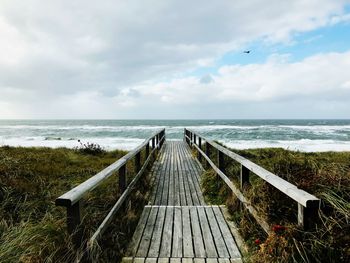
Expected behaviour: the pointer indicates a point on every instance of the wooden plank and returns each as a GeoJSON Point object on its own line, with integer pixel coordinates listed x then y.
{"type": "Point", "coordinates": [165, 250]}
{"type": "Point", "coordinates": [180, 184]}
{"type": "Point", "coordinates": [229, 241]}
{"type": "Point", "coordinates": [192, 175]}
{"type": "Point", "coordinates": [160, 183]}
{"type": "Point", "coordinates": [157, 233]}
{"type": "Point", "coordinates": [163, 260]}
{"type": "Point", "coordinates": [134, 244]}
{"type": "Point", "coordinates": [234, 230]}
{"type": "Point", "coordinates": [197, 235]}
{"type": "Point", "coordinates": [207, 235]}
{"type": "Point", "coordinates": [171, 196]}
{"type": "Point", "coordinates": [166, 175]}
{"type": "Point", "coordinates": [186, 230]}
{"type": "Point", "coordinates": [156, 169]}
{"type": "Point", "coordinates": [187, 260]}
{"type": "Point", "coordinates": [175, 260]}
{"type": "Point", "coordinates": [147, 233]}
{"type": "Point", "coordinates": [218, 238]}
{"type": "Point", "coordinates": [151, 260]}
{"type": "Point", "coordinates": [224, 260]}
{"type": "Point", "coordinates": [176, 177]}
{"type": "Point", "coordinates": [139, 260]}
{"type": "Point", "coordinates": [212, 260]}
{"type": "Point", "coordinates": [127, 259]}
{"type": "Point", "coordinates": [177, 235]}
{"type": "Point", "coordinates": [185, 181]}
{"type": "Point", "coordinates": [199, 260]}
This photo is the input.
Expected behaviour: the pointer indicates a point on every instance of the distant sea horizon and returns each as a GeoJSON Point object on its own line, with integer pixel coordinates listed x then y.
{"type": "Point", "coordinates": [309, 135]}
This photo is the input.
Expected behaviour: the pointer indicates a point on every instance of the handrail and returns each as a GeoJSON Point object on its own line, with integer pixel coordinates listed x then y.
{"type": "Point", "coordinates": [72, 199]}
{"type": "Point", "coordinates": [308, 204]}
{"type": "Point", "coordinates": [74, 195]}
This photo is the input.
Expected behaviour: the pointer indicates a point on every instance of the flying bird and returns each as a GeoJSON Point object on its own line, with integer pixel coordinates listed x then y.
{"type": "Point", "coordinates": [246, 51]}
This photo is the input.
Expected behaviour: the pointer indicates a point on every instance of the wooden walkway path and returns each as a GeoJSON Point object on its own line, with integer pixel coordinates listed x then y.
{"type": "Point", "coordinates": [177, 225]}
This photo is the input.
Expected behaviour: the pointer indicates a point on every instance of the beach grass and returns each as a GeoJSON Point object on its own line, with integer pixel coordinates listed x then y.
{"type": "Point", "coordinates": [324, 174]}
{"type": "Point", "coordinates": [33, 229]}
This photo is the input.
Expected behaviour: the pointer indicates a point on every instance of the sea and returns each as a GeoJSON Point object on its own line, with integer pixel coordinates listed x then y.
{"type": "Point", "coordinates": [299, 135]}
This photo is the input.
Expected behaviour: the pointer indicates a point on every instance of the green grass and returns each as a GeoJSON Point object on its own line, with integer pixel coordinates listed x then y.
{"type": "Point", "coordinates": [325, 175]}
{"type": "Point", "coordinates": [33, 229]}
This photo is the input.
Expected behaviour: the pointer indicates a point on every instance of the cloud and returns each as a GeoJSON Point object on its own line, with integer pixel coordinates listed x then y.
{"type": "Point", "coordinates": [76, 52]}
{"type": "Point", "coordinates": [320, 79]}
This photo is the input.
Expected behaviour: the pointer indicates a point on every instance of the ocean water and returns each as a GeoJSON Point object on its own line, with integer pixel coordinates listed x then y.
{"type": "Point", "coordinates": [302, 135]}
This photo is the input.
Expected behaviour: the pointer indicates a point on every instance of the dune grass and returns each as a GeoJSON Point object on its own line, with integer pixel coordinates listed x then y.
{"type": "Point", "coordinates": [325, 175]}
{"type": "Point", "coordinates": [33, 229]}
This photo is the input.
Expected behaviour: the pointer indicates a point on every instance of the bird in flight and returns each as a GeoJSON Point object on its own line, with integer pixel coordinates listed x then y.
{"type": "Point", "coordinates": [246, 51]}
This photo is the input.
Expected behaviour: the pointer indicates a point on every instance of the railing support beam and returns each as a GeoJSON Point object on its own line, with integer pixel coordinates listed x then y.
{"type": "Point", "coordinates": [73, 223]}
{"type": "Point", "coordinates": [308, 216]}
{"type": "Point", "coordinates": [244, 176]}
{"type": "Point", "coordinates": [200, 147]}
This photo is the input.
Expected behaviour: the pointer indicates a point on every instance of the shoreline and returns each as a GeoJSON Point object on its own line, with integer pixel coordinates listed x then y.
{"type": "Point", "coordinates": [127, 144]}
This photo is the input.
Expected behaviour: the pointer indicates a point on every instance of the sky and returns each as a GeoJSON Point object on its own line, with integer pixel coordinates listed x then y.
{"type": "Point", "coordinates": [175, 59]}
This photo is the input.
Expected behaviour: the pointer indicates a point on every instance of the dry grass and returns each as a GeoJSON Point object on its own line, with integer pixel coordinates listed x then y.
{"type": "Point", "coordinates": [32, 228]}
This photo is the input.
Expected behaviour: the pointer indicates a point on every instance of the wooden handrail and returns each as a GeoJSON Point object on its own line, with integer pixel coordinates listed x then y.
{"type": "Point", "coordinates": [308, 204]}
{"type": "Point", "coordinates": [72, 199]}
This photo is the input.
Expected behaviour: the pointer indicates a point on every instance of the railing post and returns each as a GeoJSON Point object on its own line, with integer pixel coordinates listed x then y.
{"type": "Point", "coordinates": [200, 147]}
{"type": "Point", "coordinates": [244, 176]}
{"type": "Point", "coordinates": [207, 152]}
{"type": "Point", "coordinates": [221, 165]}
{"type": "Point", "coordinates": [122, 182]}
{"type": "Point", "coordinates": [147, 150]}
{"type": "Point", "coordinates": [153, 143]}
{"type": "Point", "coordinates": [191, 136]}
{"type": "Point", "coordinates": [194, 138]}
{"type": "Point", "coordinates": [137, 163]}
{"type": "Point", "coordinates": [73, 224]}
{"type": "Point", "coordinates": [308, 216]}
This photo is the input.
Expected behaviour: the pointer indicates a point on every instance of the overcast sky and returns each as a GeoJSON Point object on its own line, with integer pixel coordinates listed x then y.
{"type": "Point", "coordinates": [174, 59]}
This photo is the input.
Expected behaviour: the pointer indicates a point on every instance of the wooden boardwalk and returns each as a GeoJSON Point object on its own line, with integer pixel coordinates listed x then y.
{"type": "Point", "coordinates": [177, 225]}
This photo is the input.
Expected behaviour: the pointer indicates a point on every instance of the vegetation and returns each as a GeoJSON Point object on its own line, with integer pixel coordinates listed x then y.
{"type": "Point", "coordinates": [325, 175]}
{"type": "Point", "coordinates": [33, 229]}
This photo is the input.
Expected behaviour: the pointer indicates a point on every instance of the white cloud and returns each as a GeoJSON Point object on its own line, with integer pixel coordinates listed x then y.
{"type": "Point", "coordinates": [319, 78]}
{"type": "Point", "coordinates": [113, 54]}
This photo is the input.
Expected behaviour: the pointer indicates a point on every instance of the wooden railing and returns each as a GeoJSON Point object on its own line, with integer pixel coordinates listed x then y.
{"type": "Point", "coordinates": [308, 205]}
{"type": "Point", "coordinates": [72, 200]}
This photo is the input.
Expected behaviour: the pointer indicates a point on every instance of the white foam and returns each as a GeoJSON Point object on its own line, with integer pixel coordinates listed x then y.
{"type": "Point", "coordinates": [304, 145]}
{"type": "Point", "coordinates": [108, 143]}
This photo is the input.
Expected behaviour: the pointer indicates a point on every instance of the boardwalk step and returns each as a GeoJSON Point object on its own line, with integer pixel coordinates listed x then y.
{"type": "Point", "coordinates": [181, 260]}
{"type": "Point", "coordinates": [183, 232]}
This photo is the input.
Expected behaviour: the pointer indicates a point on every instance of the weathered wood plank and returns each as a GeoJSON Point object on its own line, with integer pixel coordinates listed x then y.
{"type": "Point", "coordinates": [165, 250]}
{"type": "Point", "coordinates": [147, 233]}
{"type": "Point", "coordinates": [157, 233]}
{"type": "Point", "coordinates": [139, 260]}
{"type": "Point", "coordinates": [187, 233]}
{"type": "Point", "coordinates": [177, 235]}
{"type": "Point", "coordinates": [218, 237]}
{"type": "Point", "coordinates": [229, 241]}
{"type": "Point", "coordinates": [197, 235]}
{"type": "Point", "coordinates": [134, 244]}
{"type": "Point", "coordinates": [207, 236]}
